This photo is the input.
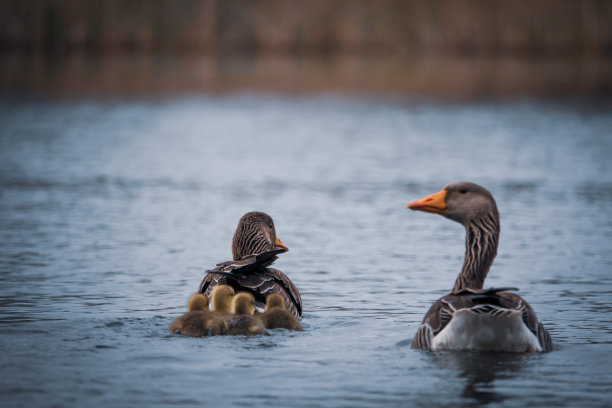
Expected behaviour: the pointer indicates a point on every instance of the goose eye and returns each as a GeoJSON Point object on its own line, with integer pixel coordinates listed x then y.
{"type": "Point", "coordinates": [462, 191]}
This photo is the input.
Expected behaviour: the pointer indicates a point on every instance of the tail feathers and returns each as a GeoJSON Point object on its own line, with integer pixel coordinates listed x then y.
{"type": "Point", "coordinates": [423, 338]}
{"type": "Point", "coordinates": [544, 338]}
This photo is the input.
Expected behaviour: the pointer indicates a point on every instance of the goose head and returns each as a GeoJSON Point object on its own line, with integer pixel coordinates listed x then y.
{"type": "Point", "coordinates": [222, 298]}
{"type": "Point", "coordinates": [255, 234]}
{"type": "Point", "coordinates": [197, 302]}
{"type": "Point", "coordinates": [274, 301]}
{"type": "Point", "coordinates": [463, 202]}
{"type": "Point", "coordinates": [243, 304]}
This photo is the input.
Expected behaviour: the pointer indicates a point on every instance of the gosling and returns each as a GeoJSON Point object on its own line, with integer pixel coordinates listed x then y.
{"type": "Point", "coordinates": [222, 297]}
{"type": "Point", "coordinates": [197, 322]}
{"type": "Point", "coordinates": [244, 323]}
{"type": "Point", "coordinates": [276, 315]}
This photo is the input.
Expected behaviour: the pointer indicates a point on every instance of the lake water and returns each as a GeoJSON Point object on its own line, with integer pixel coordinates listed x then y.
{"type": "Point", "coordinates": [111, 211]}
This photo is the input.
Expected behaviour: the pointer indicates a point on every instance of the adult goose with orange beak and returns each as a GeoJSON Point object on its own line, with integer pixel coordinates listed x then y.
{"type": "Point", "coordinates": [471, 318]}
{"type": "Point", "coordinates": [254, 248]}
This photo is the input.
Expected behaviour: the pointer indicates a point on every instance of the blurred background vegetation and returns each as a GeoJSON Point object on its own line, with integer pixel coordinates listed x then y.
{"type": "Point", "coordinates": [448, 48]}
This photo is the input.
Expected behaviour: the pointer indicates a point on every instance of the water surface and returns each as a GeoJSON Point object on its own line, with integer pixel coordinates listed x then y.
{"type": "Point", "coordinates": [110, 212]}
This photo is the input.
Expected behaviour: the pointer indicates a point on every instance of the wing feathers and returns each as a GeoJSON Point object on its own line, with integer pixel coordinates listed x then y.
{"type": "Point", "coordinates": [251, 273]}
{"type": "Point", "coordinates": [423, 338]}
{"type": "Point", "coordinates": [497, 302]}
{"type": "Point", "coordinates": [544, 338]}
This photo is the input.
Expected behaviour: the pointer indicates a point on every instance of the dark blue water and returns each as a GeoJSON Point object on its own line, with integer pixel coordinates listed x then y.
{"type": "Point", "coordinates": [110, 211]}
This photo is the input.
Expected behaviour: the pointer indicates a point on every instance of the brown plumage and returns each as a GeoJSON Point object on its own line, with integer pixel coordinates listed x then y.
{"type": "Point", "coordinates": [244, 323]}
{"type": "Point", "coordinates": [276, 316]}
{"type": "Point", "coordinates": [470, 317]}
{"type": "Point", "coordinates": [255, 247]}
{"type": "Point", "coordinates": [254, 234]}
{"type": "Point", "coordinates": [198, 321]}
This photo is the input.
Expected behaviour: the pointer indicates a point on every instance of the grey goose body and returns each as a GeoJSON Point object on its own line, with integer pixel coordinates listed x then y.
{"type": "Point", "coordinates": [470, 318]}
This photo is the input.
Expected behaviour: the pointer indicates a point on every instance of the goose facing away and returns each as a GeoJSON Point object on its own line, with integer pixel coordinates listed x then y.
{"type": "Point", "coordinates": [197, 302]}
{"type": "Point", "coordinates": [222, 299]}
{"type": "Point", "coordinates": [244, 323]}
{"type": "Point", "coordinates": [470, 318]}
{"type": "Point", "coordinates": [255, 247]}
{"type": "Point", "coordinates": [276, 316]}
{"type": "Point", "coordinates": [198, 321]}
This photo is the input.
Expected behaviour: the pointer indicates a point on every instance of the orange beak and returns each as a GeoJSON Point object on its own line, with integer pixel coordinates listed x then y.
{"type": "Point", "coordinates": [279, 244]}
{"type": "Point", "coordinates": [435, 203]}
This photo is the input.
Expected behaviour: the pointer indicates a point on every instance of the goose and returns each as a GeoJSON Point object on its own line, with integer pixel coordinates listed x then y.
{"type": "Point", "coordinates": [197, 302]}
{"type": "Point", "coordinates": [222, 299]}
{"type": "Point", "coordinates": [198, 321]}
{"type": "Point", "coordinates": [470, 318]}
{"type": "Point", "coordinates": [255, 247]}
{"type": "Point", "coordinates": [244, 323]}
{"type": "Point", "coordinates": [276, 316]}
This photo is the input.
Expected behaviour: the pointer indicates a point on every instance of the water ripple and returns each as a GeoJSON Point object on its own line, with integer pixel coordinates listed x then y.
{"type": "Point", "coordinates": [110, 214]}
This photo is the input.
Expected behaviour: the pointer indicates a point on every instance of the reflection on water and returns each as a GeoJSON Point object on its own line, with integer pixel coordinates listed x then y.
{"type": "Point", "coordinates": [480, 370]}
{"type": "Point", "coordinates": [111, 212]}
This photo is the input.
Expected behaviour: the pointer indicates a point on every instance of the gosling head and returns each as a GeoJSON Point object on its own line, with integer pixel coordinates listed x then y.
{"type": "Point", "coordinates": [255, 234]}
{"type": "Point", "coordinates": [463, 202]}
{"type": "Point", "coordinates": [222, 298]}
{"type": "Point", "coordinates": [244, 304]}
{"type": "Point", "coordinates": [274, 301]}
{"type": "Point", "coordinates": [197, 302]}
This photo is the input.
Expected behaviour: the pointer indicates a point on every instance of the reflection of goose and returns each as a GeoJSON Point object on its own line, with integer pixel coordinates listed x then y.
{"type": "Point", "coordinates": [254, 248]}
{"type": "Point", "coordinates": [470, 318]}
{"type": "Point", "coordinates": [481, 370]}
{"type": "Point", "coordinates": [277, 317]}
{"type": "Point", "coordinates": [244, 323]}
